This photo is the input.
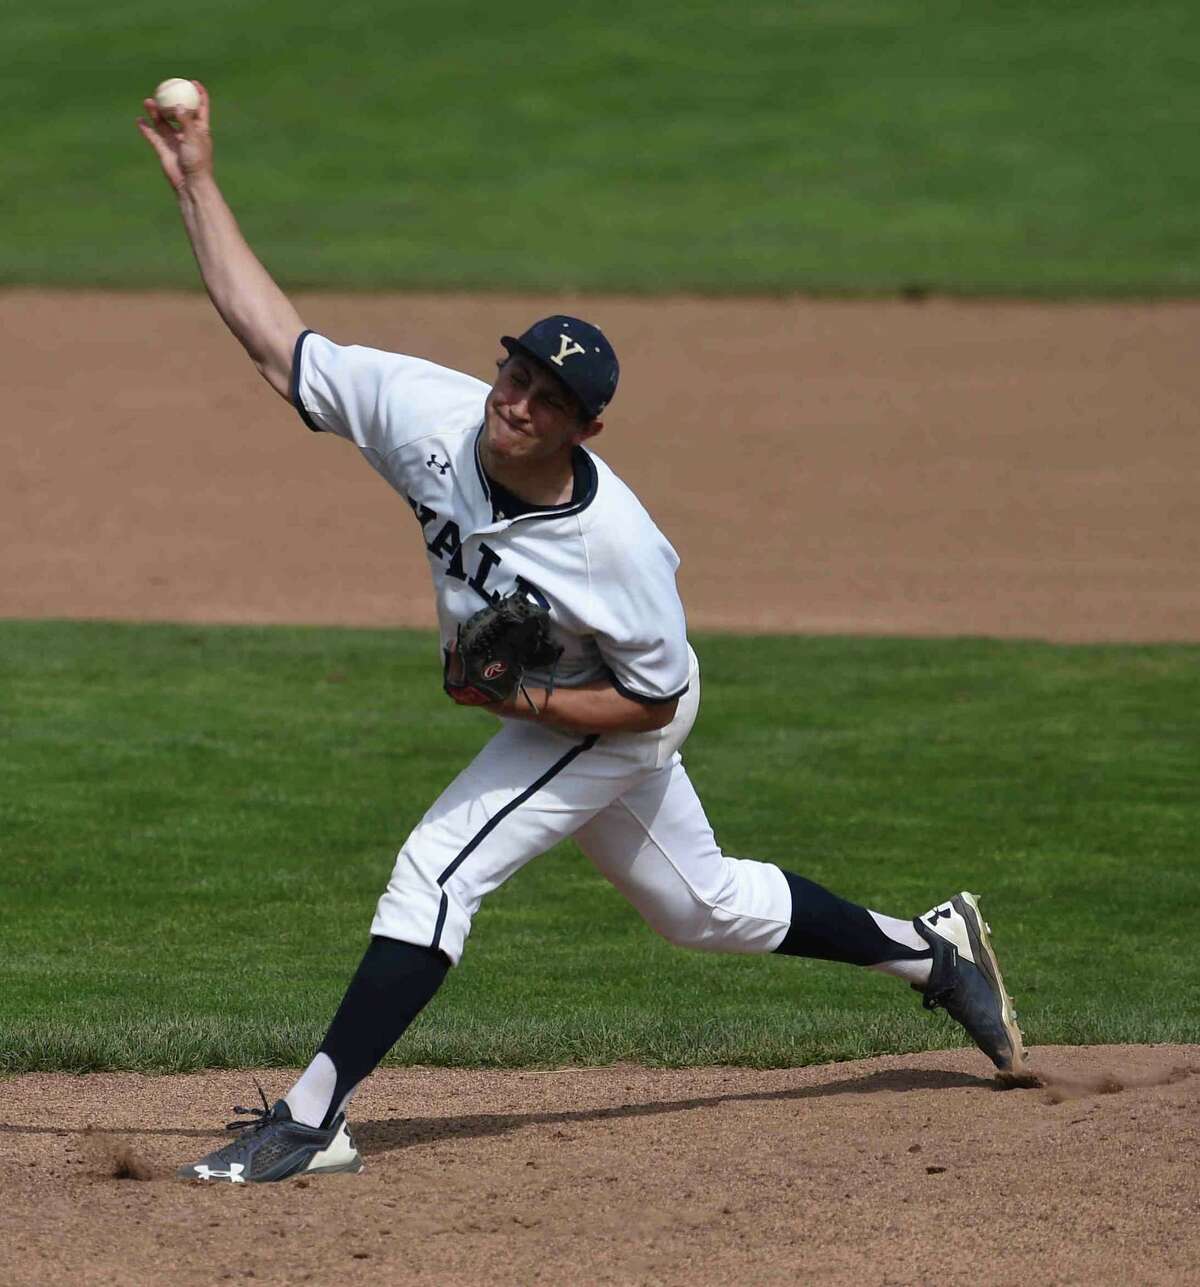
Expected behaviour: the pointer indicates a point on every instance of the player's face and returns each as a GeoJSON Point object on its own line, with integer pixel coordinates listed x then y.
{"type": "Point", "coordinates": [530, 416]}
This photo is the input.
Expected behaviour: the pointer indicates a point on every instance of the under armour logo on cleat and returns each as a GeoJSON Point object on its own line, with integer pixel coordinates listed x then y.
{"type": "Point", "coordinates": [233, 1175]}
{"type": "Point", "coordinates": [440, 465]}
{"type": "Point", "coordinates": [938, 913]}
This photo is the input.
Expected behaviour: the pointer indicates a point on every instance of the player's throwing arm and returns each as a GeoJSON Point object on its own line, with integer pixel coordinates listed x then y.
{"type": "Point", "coordinates": [247, 297]}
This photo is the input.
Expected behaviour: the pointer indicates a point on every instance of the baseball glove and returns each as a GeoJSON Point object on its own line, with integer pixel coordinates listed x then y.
{"type": "Point", "coordinates": [496, 647]}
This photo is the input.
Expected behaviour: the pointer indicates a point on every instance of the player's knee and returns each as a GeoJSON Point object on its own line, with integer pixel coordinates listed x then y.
{"type": "Point", "coordinates": [691, 926]}
{"type": "Point", "coordinates": [415, 908]}
{"type": "Point", "coordinates": [720, 922]}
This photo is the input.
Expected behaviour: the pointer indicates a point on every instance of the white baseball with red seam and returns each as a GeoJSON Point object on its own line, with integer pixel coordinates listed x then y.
{"type": "Point", "coordinates": [175, 93]}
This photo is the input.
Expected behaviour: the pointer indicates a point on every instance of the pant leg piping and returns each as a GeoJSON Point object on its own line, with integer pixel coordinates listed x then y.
{"type": "Point", "coordinates": [441, 921]}
{"type": "Point", "coordinates": [492, 823]}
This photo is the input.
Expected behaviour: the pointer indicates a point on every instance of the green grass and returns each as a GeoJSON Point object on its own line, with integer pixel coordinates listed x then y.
{"type": "Point", "coordinates": [1009, 147]}
{"type": "Point", "coordinates": [195, 824]}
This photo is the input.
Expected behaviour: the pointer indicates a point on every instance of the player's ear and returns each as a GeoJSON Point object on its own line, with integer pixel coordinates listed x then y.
{"type": "Point", "coordinates": [589, 430]}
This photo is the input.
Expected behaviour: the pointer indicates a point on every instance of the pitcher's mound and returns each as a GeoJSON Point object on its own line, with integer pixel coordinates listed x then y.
{"type": "Point", "coordinates": [904, 1169]}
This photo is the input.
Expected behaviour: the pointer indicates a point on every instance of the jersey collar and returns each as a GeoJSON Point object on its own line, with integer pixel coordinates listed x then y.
{"type": "Point", "coordinates": [590, 488]}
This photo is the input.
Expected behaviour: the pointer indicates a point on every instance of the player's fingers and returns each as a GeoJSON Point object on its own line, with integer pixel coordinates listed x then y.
{"type": "Point", "coordinates": [166, 132]}
{"type": "Point", "coordinates": [204, 110]}
{"type": "Point", "coordinates": [162, 149]}
{"type": "Point", "coordinates": [192, 119]}
{"type": "Point", "coordinates": [158, 122]}
{"type": "Point", "coordinates": [186, 117]}
{"type": "Point", "coordinates": [150, 134]}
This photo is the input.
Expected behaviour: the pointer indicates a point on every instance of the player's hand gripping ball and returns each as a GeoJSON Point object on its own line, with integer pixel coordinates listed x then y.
{"type": "Point", "coordinates": [496, 647]}
{"type": "Point", "coordinates": [174, 94]}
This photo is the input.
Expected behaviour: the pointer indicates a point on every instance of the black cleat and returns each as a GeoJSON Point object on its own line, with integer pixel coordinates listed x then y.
{"type": "Point", "coordinates": [965, 982]}
{"type": "Point", "coordinates": [274, 1147]}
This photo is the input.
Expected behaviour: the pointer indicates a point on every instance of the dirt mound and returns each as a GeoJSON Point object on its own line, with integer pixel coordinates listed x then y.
{"type": "Point", "coordinates": [905, 1169]}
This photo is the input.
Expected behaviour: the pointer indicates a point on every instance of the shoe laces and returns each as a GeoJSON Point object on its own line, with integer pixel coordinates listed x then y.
{"type": "Point", "coordinates": [261, 1116]}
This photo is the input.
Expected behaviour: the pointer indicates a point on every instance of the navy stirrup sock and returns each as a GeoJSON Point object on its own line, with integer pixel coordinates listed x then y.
{"type": "Point", "coordinates": [829, 928]}
{"type": "Point", "coordinates": [393, 983]}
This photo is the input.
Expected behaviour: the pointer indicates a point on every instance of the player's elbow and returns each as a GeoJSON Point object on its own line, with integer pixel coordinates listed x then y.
{"type": "Point", "coordinates": [273, 351]}
{"type": "Point", "coordinates": [277, 374]}
{"type": "Point", "coordinates": [274, 364]}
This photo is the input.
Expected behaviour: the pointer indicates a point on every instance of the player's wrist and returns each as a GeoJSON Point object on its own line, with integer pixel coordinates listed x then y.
{"type": "Point", "coordinates": [526, 703]}
{"type": "Point", "coordinates": [198, 186]}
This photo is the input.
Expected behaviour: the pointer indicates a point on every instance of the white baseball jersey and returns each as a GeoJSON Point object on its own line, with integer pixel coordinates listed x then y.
{"type": "Point", "coordinates": [607, 575]}
{"type": "Point", "coordinates": [604, 569]}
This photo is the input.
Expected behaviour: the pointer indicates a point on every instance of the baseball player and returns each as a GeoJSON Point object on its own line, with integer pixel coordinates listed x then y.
{"type": "Point", "coordinates": [512, 508]}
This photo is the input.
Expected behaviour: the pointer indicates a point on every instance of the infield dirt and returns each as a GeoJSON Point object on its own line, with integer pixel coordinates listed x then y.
{"type": "Point", "coordinates": [906, 1169]}
{"type": "Point", "coordinates": [833, 467]}
{"type": "Point", "coordinates": [937, 469]}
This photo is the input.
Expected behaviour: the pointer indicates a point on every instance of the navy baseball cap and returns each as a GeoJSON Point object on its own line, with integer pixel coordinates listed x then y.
{"type": "Point", "coordinates": [576, 352]}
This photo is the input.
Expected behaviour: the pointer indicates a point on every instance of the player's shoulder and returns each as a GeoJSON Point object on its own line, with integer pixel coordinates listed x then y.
{"type": "Point", "coordinates": [617, 521]}
{"type": "Point", "coordinates": [391, 374]}
{"type": "Point", "coordinates": [613, 499]}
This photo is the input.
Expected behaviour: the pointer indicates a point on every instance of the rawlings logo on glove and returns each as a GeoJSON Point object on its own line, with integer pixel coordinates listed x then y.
{"type": "Point", "coordinates": [496, 647]}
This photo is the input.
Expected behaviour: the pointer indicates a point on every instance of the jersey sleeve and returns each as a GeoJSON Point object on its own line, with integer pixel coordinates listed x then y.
{"type": "Point", "coordinates": [639, 623]}
{"type": "Point", "coordinates": [379, 401]}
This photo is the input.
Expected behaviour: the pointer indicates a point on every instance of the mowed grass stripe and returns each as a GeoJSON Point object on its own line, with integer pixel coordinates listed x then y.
{"type": "Point", "coordinates": [195, 823]}
{"type": "Point", "coordinates": [1004, 146]}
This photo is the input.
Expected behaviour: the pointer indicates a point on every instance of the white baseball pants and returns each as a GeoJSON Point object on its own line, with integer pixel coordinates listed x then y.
{"type": "Point", "coordinates": [627, 801]}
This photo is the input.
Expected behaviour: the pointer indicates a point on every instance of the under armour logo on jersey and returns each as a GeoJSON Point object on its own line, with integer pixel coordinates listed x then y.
{"type": "Point", "coordinates": [440, 465]}
{"type": "Point", "coordinates": [938, 913]}
{"type": "Point", "coordinates": [233, 1175]}
{"type": "Point", "coordinates": [568, 348]}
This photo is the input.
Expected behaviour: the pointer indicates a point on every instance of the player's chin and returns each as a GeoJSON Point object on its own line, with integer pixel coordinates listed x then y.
{"type": "Point", "coordinates": [503, 439]}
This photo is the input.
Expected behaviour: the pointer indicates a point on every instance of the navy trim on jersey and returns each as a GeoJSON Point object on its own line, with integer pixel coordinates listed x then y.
{"type": "Point", "coordinates": [507, 504]}
{"type": "Point", "coordinates": [294, 391]}
{"type": "Point", "coordinates": [591, 485]}
{"type": "Point", "coordinates": [483, 478]}
{"type": "Point", "coordinates": [488, 827]}
{"type": "Point", "coordinates": [641, 697]}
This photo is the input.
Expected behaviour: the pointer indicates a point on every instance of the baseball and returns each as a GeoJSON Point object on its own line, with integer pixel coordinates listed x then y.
{"type": "Point", "coordinates": [175, 93]}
